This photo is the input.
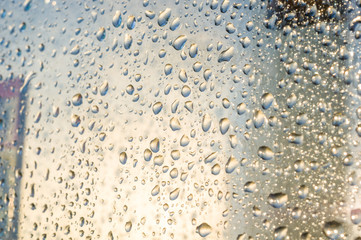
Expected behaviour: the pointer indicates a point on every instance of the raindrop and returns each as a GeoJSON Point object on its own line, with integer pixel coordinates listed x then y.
{"type": "Point", "coordinates": [179, 42]}
{"type": "Point", "coordinates": [174, 194]}
{"type": "Point", "coordinates": [226, 55]}
{"type": "Point", "coordinates": [356, 216]}
{"type": "Point", "coordinates": [204, 230]}
{"type": "Point", "coordinates": [258, 118]}
{"type": "Point", "coordinates": [224, 125]}
{"type": "Point", "coordinates": [127, 41]}
{"type": "Point", "coordinates": [154, 145]}
{"type": "Point", "coordinates": [131, 22]}
{"type": "Point", "coordinates": [164, 17]}
{"type": "Point", "coordinates": [333, 230]}
{"type": "Point", "coordinates": [77, 99]}
{"type": "Point", "coordinates": [128, 226]}
{"type": "Point", "coordinates": [267, 100]}
{"type": "Point", "coordinates": [265, 153]}
{"type": "Point", "coordinates": [117, 19]}
{"type": "Point", "coordinates": [100, 34]}
{"type": "Point", "coordinates": [155, 190]}
{"type": "Point", "coordinates": [211, 157]}
{"type": "Point", "coordinates": [231, 164]}
{"type": "Point", "coordinates": [277, 200]}
{"type": "Point", "coordinates": [157, 107]}
{"type": "Point", "coordinates": [123, 158]}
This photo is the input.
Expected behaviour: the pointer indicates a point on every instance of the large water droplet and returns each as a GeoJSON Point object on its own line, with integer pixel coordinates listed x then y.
{"type": "Point", "coordinates": [226, 55]}
{"type": "Point", "coordinates": [204, 229]}
{"type": "Point", "coordinates": [164, 17]}
{"type": "Point", "coordinates": [277, 200]}
{"type": "Point", "coordinates": [265, 153]}
{"type": "Point", "coordinates": [117, 19]}
{"type": "Point", "coordinates": [179, 42]}
{"type": "Point", "coordinates": [333, 230]}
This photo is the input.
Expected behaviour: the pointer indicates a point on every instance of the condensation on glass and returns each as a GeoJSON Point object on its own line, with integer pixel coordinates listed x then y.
{"type": "Point", "coordinates": [204, 119]}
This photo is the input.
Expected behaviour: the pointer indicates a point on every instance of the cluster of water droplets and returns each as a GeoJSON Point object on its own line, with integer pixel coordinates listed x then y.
{"type": "Point", "coordinates": [213, 119]}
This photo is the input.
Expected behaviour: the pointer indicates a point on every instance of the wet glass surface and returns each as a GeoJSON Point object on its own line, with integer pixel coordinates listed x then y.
{"type": "Point", "coordinates": [204, 119]}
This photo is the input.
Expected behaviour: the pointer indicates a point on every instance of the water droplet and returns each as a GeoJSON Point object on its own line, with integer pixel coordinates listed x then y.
{"type": "Point", "coordinates": [75, 120]}
{"type": "Point", "coordinates": [206, 122]}
{"type": "Point", "coordinates": [164, 17]}
{"type": "Point", "coordinates": [179, 42]}
{"type": "Point", "coordinates": [225, 6]}
{"type": "Point", "coordinates": [184, 141]}
{"type": "Point", "coordinates": [231, 164]}
{"type": "Point", "coordinates": [175, 24]}
{"type": "Point", "coordinates": [175, 154]}
{"type": "Point", "coordinates": [211, 157]}
{"type": "Point", "coordinates": [147, 154]}
{"type": "Point", "coordinates": [77, 99]}
{"type": "Point", "coordinates": [281, 233]}
{"type": "Point", "coordinates": [224, 125]}
{"type": "Point", "coordinates": [295, 138]}
{"type": "Point", "coordinates": [174, 124]}
{"type": "Point", "coordinates": [131, 22]}
{"type": "Point", "coordinates": [155, 190]}
{"type": "Point", "coordinates": [193, 50]}
{"type": "Point", "coordinates": [189, 106]}
{"type": "Point", "coordinates": [128, 226]}
{"type": "Point", "coordinates": [149, 14]}
{"type": "Point", "coordinates": [277, 200]}
{"type": "Point", "coordinates": [123, 158]}
{"type": "Point", "coordinates": [333, 230]}
{"type": "Point", "coordinates": [204, 230]}
{"type": "Point", "coordinates": [174, 194]}
{"type": "Point", "coordinates": [157, 107]}
{"type": "Point", "coordinates": [173, 173]}
{"type": "Point", "coordinates": [127, 41]}
{"type": "Point", "coordinates": [250, 186]}
{"type": "Point", "coordinates": [291, 100]}
{"type": "Point", "coordinates": [245, 41]}
{"type": "Point", "coordinates": [230, 28]}
{"type": "Point", "coordinates": [75, 50]}
{"type": "Point", "coordinates": [154, 145]}
{"type": "Point", "coordinates": [356, 216]}
{"type": "Point", "coordinates": [258, 118]}
{"type": "Point", "coordinates": [216, 169]}
{"type": "Point", "coordinates": [267, 100]}
{"type": "Point", "coordinates": [265, 153]}
{"type": "Point", "coordinates": [183, 75]}
{"type": "Point", "coordinates": [158, 160]}
{"type": "Point", "coordinates": [303, 191]}
{"type": "Point", "coordinates": [103, 89]}
{"type": "Point", "coordinates": [117, 19]}
{"type": "Point", "coordinates": [226, 55]}
{"type": "Point", "coordinates": [186, 91]}
{"type": "Point", "coordinates": [241, 108]}
{"type": "Point", "coordinates": [100, 34]}
{"type": "Point", "coordinates": [27, 5]}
